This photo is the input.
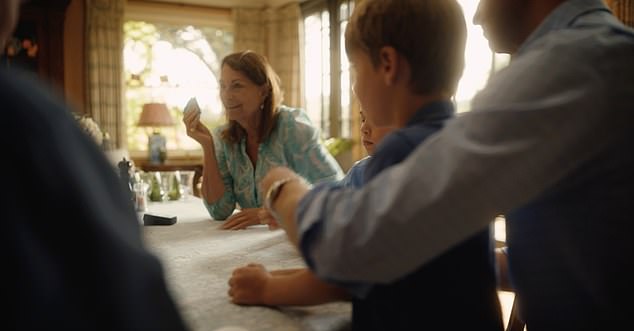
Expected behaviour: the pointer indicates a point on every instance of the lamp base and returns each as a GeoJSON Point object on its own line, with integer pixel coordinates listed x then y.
{"type": "Point", "coordinates": [157, 148]}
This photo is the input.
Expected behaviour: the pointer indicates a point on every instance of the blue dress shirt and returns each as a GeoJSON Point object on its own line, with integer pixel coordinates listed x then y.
{"type": "Point", "coordinates": [355, 175]}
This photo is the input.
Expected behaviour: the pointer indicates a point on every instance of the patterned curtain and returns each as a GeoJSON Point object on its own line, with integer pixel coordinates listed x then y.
{"type": "Point", "coordinates": [274, 33]}
{"type": "Point", "coordinates": [623, 9]}
{"type": "Point", "coordinates": [104, 67]}
{"type": "Point", "coordinates": [249, 30]}
{"type": "Point", "coordinates": [283, 26]}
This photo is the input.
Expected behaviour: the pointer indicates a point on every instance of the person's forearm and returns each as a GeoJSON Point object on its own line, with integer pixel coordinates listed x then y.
{"type": "Point", "coordinates": [482, 164]}
{"type": "Point", "coordinates": [282, 272]}
{"type": "Point", "coordinates": [301, 288]}
{"type": "Point", "coordinates": [421, 214]}
{"type": "Point", "coordinates": [213, 187]}
{"type": "Point", "coordinates": [286, 205]}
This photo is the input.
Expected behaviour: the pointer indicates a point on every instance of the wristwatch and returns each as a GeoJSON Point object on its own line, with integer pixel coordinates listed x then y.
{"type": "Point", "coordinates": [272, 194]}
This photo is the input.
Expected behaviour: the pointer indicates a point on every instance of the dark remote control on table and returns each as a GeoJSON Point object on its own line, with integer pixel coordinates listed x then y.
{"type": "Point", "coordinates": [149, 219]}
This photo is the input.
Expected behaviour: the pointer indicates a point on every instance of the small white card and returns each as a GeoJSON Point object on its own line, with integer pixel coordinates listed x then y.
{"type": "Point", "coordinates": [192, 104]}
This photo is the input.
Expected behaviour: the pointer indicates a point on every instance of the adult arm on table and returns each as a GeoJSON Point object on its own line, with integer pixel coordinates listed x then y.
{"type": "Point", "coordinates": [217, 185]}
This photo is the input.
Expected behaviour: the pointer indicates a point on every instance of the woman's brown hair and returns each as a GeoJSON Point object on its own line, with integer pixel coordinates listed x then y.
{"type": "Point", "coordinates": [257, 69]}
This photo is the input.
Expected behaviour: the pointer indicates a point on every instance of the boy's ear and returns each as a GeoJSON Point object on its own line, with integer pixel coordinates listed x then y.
{"type": "Point", "coordinates": [389, 64]}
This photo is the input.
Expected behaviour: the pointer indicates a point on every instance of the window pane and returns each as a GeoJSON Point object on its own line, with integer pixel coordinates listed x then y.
{"type": "Point", "coordinates": [169, 64]}
{"type": "Point", "coordinates": [325, 78]}
{"type": "Point", "coordinates": [327, 68]}
{"type": "Point", "coordinates": [478, 59]}
{"type": "Point", "coordinates": [345, 82]}
{"type": "Point", "coordinates": [317, 66]}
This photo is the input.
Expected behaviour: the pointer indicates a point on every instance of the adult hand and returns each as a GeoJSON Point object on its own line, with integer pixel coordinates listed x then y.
{"type": "Point", "coordinates": [287, 199]}
{"type": "Point", "coordinates": [242, 219]}
{"type": "Point", "coordinates": [195, 129]}
{"type": "Point", "coordinates": [268, 219]}
{"type": "Point", "coordinates": [247, 284]}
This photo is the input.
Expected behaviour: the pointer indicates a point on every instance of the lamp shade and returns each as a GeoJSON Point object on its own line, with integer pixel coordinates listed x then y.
{"type": "Point", "coordinates": [154, 115]}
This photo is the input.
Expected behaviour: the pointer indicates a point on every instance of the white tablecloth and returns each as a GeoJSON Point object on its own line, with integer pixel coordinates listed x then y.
{"type": "Point", "coordinates": [198, 259]}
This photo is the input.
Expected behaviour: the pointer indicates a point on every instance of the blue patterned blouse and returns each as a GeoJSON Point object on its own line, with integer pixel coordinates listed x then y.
{"type": "Point", "coordinates": [294, 143]}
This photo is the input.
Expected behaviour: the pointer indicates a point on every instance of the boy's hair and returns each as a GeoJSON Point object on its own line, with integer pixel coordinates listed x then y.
{"type": "Point", "coordinates": [430, 34]}
{"type": "Point", "coordinates": [258, 70]}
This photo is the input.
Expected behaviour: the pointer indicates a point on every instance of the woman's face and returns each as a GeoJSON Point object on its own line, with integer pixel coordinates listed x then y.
{"type": "Point", "coordinates": [240, 96]}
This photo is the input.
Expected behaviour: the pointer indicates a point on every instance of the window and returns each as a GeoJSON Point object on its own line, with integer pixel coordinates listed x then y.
{"type": "Point", "coordinates": [480, 62]}
{"type": "Point", "coordinates": [327, 87]}
{"type": "Point", "coordinates": [327, 78]}
{"type": "Point", "coordinates": [169, 59]}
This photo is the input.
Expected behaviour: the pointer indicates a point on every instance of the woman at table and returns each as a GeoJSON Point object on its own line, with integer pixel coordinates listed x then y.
{"type": "Point", "coordinates": [261, 133]}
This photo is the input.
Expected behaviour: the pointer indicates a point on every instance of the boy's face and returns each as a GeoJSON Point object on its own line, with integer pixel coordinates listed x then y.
{"type": "Point", "coordinates": [369, 88]}
{"type": "Point", "coordinates": [371, 135]}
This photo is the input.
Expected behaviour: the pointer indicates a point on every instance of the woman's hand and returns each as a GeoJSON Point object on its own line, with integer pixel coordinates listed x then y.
{"type": "Point", "coordinates": [242, 219]}
{"type": "Point", "coordinates": [268, 219]}
{"type": "Point", "coordinates": [195, 129]}
{"type": "Point", "coordinates": [247, 284]}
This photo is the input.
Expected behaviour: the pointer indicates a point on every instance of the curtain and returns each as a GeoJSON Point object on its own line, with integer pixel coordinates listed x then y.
{"type": "Point", "coordinates": [283, 27]}
{"type": "Point", "coordinates": [274, 33]}
{"type": "Point", "coordinates": [104, 67]}
{"type": "Point", "coordinates": [249, 30]}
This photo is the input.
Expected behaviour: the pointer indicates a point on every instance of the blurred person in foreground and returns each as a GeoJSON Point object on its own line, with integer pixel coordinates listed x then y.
{"type": "Point", "coordinates": [74, 256]}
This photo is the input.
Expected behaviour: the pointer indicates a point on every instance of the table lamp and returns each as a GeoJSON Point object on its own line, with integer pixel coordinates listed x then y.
{"type": "Point", "coordinates": [156, 115]}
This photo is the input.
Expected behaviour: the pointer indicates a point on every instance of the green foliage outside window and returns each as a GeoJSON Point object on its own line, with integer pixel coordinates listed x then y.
{"type": "Point", "coordinates": [169, 64]}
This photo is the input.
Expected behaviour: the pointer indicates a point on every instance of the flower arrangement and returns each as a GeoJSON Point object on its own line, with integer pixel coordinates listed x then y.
{"type": "Point", "coordinates": [90, 127]}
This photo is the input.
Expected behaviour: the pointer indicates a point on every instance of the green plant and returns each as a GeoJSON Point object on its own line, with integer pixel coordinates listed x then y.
{"type": "Point", "coordinates": [338, 145]}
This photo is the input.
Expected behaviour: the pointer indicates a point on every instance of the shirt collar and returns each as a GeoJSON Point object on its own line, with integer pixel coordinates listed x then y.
{"type": "Point", "coordinates": [562, 17]}
{"type": "Point", "coordinates": [437, 110]}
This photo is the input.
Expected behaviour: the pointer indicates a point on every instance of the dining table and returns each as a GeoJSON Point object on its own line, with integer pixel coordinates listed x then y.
{"type": "Point", "coordinates": [198, 258]}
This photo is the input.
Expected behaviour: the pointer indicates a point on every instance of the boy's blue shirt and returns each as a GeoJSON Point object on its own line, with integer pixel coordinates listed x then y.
{"type": "Point", "coordinates": [394, 148]}
{"type": "Point", "coordinates": [465, 273]}
{"type": "Point", "coordinates": [355, 175]}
